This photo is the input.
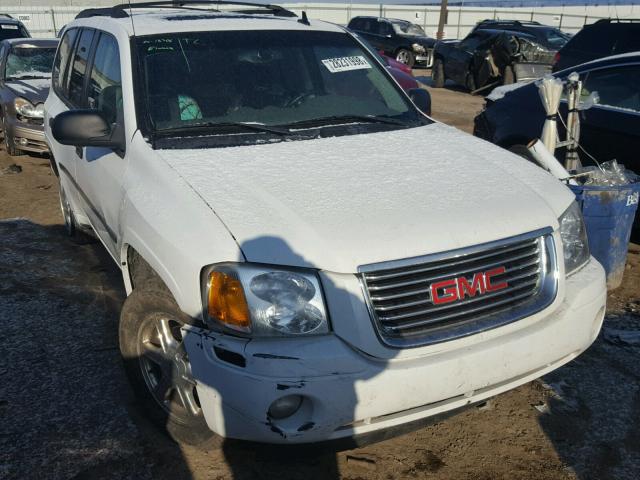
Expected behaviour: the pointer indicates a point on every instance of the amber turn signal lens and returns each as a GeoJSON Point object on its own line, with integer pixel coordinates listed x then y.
{"type": "Point", "coordinates": [227, 302]}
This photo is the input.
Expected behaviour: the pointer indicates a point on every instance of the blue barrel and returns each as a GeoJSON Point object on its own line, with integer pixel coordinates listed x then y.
{"type": "Point", "coordinates": [609, 212]}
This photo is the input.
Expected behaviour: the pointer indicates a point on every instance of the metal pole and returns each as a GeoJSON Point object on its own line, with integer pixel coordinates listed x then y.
{"type": "Point", "coordinates": [424, 20]}
{"type": "Point", "coordinates": [560, 26]}
{"type": "Point", "coordinates": [442, 20]}
{"type": "Point", "coordinates": [53, 21]}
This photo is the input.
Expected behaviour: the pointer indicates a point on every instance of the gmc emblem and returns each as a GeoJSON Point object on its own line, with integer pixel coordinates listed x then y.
{"type": "Point", "coordinates": [454, 289]}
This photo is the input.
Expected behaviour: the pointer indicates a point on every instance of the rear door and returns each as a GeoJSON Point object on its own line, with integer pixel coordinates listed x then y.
{"type": "Point", "coordinates": [100, 170]}
{"type": "Point", "coordinates": [57, 102]}
{"type": "Point", "coordinates": [456, 64]}
{"type": "Point", "coordinates": [611, 129]}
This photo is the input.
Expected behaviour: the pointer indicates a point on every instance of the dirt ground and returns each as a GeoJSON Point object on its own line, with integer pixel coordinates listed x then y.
{"type": "Point", "coordinates": [66, 410]}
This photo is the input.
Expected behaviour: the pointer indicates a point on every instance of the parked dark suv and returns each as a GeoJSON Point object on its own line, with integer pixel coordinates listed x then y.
{"type": "Point", "coordinates": [399, 39]}
{"type": "Point", "coordinates": [601, 39]}
{"type": "Point", "coordinates": [490, 56]}
{"type": "Point", "coordinates": [551, 37]}
{"type": "Point", "coordinates": [12, 28]}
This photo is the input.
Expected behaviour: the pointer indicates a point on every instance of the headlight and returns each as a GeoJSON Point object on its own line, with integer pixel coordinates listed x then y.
{"type": "Point", "coordinates": [265, 301]}
{"type": "Point", "coordinates": [25, 108]}
{"type": "Point", "coordinates": [574, 239]}
{"type": "Point", "coordinates": [418, 48]}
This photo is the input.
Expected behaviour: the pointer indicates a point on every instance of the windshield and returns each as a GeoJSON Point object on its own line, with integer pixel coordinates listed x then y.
{"type": "Point", "coordinates": [407, 28]}
{"type": "Point", "coordinates": [25, 61]}
{"type": "Point", "coordinates": [554, 38]}
{"type": "Point", "coordinates": [271, 78]}
{"type": "Point", "coordinates": [11, 30]}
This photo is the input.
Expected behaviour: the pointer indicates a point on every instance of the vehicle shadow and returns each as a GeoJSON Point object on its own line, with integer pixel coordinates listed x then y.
{"type": "Point", "coordinates": [66, 408]}
{"type": "Point", "coordinates": [593, 413]}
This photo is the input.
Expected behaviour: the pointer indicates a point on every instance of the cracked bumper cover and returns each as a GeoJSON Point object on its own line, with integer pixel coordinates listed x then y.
{"type": "Point", "coordinates": [348, 393]}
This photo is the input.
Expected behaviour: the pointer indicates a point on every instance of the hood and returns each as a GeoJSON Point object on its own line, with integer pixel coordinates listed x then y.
{"type": "Point", "coordinates": [338, 203]}
{"type": "Point", "coordinates": [35, 90]}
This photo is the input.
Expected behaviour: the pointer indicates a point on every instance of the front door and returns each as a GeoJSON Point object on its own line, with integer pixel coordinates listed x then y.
{"type": "Point", "coordinates": [100, 170]}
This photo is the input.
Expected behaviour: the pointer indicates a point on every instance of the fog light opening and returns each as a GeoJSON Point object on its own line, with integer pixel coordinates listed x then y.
{"type": "Point", "coordinates": [284, 407]}
{"type": "Point", "coordinates": [23, 141]}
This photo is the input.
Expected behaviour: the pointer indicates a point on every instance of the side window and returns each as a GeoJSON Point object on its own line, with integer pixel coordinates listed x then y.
{"type": "Point", "coordinates": [105, 85]}
{"type": "Point", "coordinates": [61, 62]}
{"type": "Point", "coordinates": [593, 40]}
{"type": "Point", "coordinates": [471, 42]}
{"type": "Point", "coordinates": [629, 39]}
{"type": "Point", "coordinates": [79, 67]}
{"type": "Point", "coordinates": [356, 24]}
{"type": "Point", "coordinates": [616, 87]}
{"type": "Point", "coordinates": [385, 28]}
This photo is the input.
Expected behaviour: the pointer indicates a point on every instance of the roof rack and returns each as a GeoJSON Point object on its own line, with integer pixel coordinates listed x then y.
{"type": "Point", "coordinates": [509, 22]}
{"type": "Point", "coordinates": [619, 20]}
{"type": "Point", "coordinates": [122, 10]}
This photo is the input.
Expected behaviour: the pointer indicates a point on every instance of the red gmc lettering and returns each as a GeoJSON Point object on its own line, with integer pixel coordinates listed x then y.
{"type": "Point", "coordinates": [448, 291]}
{"type": "Point", "coordinates": [493, 273]}
{"type": "Point", "coordinates": [477, 286]}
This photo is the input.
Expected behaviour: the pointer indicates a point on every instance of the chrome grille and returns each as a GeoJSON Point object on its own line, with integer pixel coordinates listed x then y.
{"type": "Point", "coordinates": [445, 296]}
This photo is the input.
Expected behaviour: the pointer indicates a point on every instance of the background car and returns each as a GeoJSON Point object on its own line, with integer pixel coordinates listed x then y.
{"type": "Point", "coordinates": [399, 39]}
{"type": "Point", "coordinates": [488, 55]}
{"type": "Point", "coordinates": [551, 37]}
{"type": "Point", "coordinates": [404, 78]}
{"type": "Point", "coordinates": [601, 39]}
{"type": "Point", "coordinates": [399, 71]}
{"type": "Point", "coordinates": [12, 28]}
{"type": "Point", "coordinates": [608, 130]}
{"type": "Point", "coordinates": [25, 75]}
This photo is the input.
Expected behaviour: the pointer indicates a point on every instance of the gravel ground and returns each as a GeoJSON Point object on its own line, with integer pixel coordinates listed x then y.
{"type": "Point", "coordinates": [66, 410]}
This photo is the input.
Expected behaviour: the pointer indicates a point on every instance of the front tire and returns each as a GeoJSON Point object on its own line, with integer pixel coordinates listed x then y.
{"type": "Point", "coordinates": [509, 75]}
{"type": "Point", "coordinates": [470, 82]}
{"type": "Point", "coordinates": [9, 143]}
{"type": "Point", "coordinates": [437, 74]}
{"type": "Point", "coordinates": [158, 367]}
{"type": "Point", "coordinates": [67, 213]}
{"type": "Point", "coordinates": [405, 56]}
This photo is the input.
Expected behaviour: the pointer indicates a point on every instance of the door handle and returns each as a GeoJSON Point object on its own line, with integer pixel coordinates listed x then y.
{"type": "Point", "coordinates": [79, 152]}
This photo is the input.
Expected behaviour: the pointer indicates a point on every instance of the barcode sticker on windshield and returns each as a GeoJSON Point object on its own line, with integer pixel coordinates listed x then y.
{"type": "Point", "coordinates": [344, 64]}
{"type": "Point", "coordinates": [9, 27]}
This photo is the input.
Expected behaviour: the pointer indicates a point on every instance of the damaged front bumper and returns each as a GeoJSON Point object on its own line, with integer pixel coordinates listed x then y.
{"type": "Point", "coordinates": [346, 393]}
{"type": "Point", "coordinates": [27, 136]}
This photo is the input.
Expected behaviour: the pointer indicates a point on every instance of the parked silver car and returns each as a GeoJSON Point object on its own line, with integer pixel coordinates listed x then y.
{"type": "Point", "coordinates": [25, 77]}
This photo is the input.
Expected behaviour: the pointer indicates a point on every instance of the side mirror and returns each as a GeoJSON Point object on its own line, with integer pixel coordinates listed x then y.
{"type": "Point", "coordinates": [86, 128]}
{"type": "Point", "coordinates": [421, 99]}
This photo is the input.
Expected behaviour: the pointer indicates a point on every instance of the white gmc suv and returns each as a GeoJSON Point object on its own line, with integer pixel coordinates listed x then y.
{"type": "Point", "coordinates": [307, 255]}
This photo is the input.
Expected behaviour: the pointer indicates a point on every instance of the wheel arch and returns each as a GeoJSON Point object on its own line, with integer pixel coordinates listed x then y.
{"type": "Point", "coordinates": [141, 270]}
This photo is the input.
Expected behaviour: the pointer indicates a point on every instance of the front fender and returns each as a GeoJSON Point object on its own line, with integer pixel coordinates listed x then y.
{"type": "Point", "coordinates": [171, 228]}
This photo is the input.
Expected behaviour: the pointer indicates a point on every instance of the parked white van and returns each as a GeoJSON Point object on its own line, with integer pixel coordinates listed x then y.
{"type": "Point", "coordinates": [307, 255]}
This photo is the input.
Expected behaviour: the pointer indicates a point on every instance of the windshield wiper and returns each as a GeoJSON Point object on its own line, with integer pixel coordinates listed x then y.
{"type": "Point", "coordinates": [26, 77]}
{"type": "Point", "coordinates": [257, 127]}
{"type": "Point", "coordinates": [342, 119]}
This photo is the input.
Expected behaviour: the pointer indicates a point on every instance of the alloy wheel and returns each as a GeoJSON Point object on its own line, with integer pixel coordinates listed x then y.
{"type": "Point", "coordinates": [166, 369]}
{"type": "Point", "coordinates": [403, 56]}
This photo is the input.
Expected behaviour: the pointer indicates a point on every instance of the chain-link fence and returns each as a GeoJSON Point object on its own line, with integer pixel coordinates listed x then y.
{"type": "Point", "coordinates": [46, 21]}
